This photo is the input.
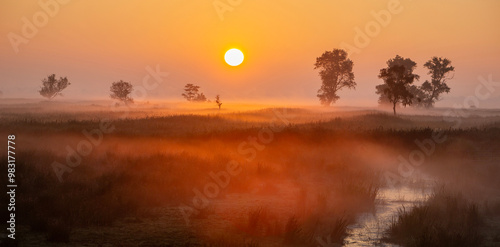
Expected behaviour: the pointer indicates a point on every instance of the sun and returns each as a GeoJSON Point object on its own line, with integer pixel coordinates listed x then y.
{"type": "Point", "coordinates": [234, 57]}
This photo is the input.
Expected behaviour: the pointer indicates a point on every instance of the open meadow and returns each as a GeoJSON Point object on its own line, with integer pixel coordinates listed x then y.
{"type": "Point", "coordinates": [253, 175]}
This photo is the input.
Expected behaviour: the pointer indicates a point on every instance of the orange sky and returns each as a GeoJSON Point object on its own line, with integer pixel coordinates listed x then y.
{"type": "Point", "coordinates": [94, 43]}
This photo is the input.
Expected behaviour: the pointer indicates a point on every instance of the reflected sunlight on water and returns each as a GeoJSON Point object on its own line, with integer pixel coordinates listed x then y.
{"type": "Point", "coordinates": [370, 227]}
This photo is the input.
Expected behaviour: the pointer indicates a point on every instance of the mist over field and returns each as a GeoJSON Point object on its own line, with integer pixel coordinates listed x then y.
{"type": "Point", "coordinates": [160, 173]}
{"type": "Point", "coordinates": [229, 123]}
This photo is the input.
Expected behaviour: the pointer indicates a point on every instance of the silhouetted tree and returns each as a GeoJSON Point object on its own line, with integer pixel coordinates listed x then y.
{"type": "Point", "coordinates": [51, 87]}
{"type": "Point", "coordinates": [200, 98]}
{"type": "Point", "coordinates": [382, 99]}
{"type": "Point", "coordinates": [121, 90]}
{"type": "Point", "coordinates": [191, 93]}
{"type": "Point", "coordinates": [419, 96]}
{"type": "Point", "coordinates": [439, 69]}
{"type": "Point", "coordinates": [217, 101]}
{"type": "Point", "coordinates": [335, 70]}
{"type": "Point", "coordinates": [409, 66]}
{"type": "Point", "coordinates": [397, 78]}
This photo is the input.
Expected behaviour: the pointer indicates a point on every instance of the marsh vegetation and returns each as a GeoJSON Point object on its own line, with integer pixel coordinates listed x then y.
{"type": "Point", "coordinates": [251, 177]}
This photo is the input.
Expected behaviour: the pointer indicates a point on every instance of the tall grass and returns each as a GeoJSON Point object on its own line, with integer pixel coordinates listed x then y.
{"type": "Point", "coordinates": [315, 158]}
{"type": "Point", "coordinates": [446, 219]}
{"type": "Point", "coordinates": [298, 233]}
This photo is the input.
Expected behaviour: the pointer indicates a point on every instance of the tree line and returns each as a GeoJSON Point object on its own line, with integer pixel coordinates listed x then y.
{"type": "Point", "coordinates": [336, 72]}
{"type": "Point", "coordinates": [120, 90]}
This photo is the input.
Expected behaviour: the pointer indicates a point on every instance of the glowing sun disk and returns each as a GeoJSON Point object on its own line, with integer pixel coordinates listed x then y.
{"type": "Point", "coordinates": [234, 57]}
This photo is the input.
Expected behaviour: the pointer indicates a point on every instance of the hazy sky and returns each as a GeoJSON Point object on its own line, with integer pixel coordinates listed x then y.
{"type": "Point", "coordinates": [94, 43]}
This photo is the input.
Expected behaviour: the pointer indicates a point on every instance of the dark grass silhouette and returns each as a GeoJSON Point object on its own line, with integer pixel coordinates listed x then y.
{"type": "Point", "coordinates": [446, 219]}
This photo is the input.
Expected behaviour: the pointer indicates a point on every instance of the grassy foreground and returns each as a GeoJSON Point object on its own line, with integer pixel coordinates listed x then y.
{"type": "Point", "coordinates": [301, 177]}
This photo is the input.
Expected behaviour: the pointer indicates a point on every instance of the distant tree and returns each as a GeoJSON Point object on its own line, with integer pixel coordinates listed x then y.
{"type": "Point", "coordinates": [335, 70]}
{"type": "Point", "coordinates": [409, 66]}
{"type": "Point", "coordinates": [439, 69]}
{"type": "Point", "coordinates": [51, 87]}
{"type": "Point", "coordinates": [200, 98]}
{"type": "Point", "coordinates": [121, 90]}
{"type": "Point", "coordinates": [191, 93]}
{"type": "Point", "coordinates": [382, 99]}
{"type": "Point", "coordinates": [217, 101]}
{"type": "Point", "coordinates": [418, 99]}
{"type": "Point", "coordinates": [397, 78]}
{"type": "Point", "coordinates": [419, 96]}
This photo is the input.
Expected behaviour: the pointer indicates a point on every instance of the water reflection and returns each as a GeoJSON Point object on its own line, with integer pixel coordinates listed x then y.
{"type": "Point", "coordinates": [369, 227]}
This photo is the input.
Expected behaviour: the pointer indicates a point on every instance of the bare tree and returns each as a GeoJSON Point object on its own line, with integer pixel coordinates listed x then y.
{"type": "Point", "coordinates": [439, 69]}
{"type": "Point", "coordinates": [121, 90]}
{"type": "Point", "coordinates": [217, 101]}
{"type": "Point", "coordinates": [51, 87]}
{"type": "Point", "coordinates": [335, 70]}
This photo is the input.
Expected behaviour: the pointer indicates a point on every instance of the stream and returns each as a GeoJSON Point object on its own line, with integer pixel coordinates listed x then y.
{"type": "Point", "coordinates": [370, 226]}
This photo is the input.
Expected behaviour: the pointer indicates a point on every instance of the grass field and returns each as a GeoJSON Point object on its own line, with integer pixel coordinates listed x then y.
{"type": "Point", "coordinates": [249, 175]}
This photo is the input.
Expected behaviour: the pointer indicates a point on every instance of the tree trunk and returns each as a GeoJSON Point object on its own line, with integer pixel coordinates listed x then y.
{"type": "Point", "coordinates": [394, 108]}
